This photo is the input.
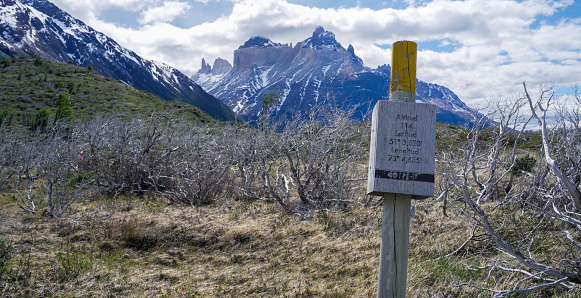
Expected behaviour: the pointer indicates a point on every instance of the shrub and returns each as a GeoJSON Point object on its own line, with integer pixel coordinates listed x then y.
{"type": "Point", "coordinates": [64, 109]}
{"type": "Point", "coordinates": [524, 164]}
{"type": "Point", "coordinates": [73, 263]}
{"type": "Point", "coordinates": [137, 236]}
{"type": "Point", "coordinates": [41, 120]}
{"type": "Point", "coordinates": [6, 117]}
{"type": "Point", "coordinates": [5, 255]}
{"type": "Point", "coordinates": [37, 61]}
{"type": "Point", "coordinates": [5, 62]}
{"type": "Point", "coordinates": [71, 86]}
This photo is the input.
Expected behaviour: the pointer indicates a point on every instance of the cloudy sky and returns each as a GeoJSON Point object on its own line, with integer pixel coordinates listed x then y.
{"type": "Point", "coordinates": [481, 49]}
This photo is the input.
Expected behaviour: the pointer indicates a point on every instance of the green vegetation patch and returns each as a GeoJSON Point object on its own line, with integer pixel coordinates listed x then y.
{"type": "Point", "coordinates": [31, 85]}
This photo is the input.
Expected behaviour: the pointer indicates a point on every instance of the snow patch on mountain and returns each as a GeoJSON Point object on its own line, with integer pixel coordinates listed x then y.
{"type": "Point", "coordinates": [316, 71]}
{"type": "Point", "coordinates": [8, 15]}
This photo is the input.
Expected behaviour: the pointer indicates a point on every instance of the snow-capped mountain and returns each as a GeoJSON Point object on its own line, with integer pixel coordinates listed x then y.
{"type": "Point", "coordinates": [38, 27]}
{"type": "Point", "coordinates": [316, 70]}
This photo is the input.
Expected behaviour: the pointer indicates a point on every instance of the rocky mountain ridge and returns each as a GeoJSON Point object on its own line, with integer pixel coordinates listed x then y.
{"type": "Point", "coordinates": [316, 70]}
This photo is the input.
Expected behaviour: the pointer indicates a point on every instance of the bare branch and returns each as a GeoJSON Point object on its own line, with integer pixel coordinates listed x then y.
{"type": "Point", "coordinates": [573, 191]}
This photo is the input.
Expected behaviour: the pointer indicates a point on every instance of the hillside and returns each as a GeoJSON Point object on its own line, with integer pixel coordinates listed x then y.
{"type": "Point", "coordinates": [39, 28]}
{"type": "Point", "coordinates": [28, 85]}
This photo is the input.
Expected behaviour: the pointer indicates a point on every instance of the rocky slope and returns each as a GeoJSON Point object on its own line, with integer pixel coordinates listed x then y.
{"type": "Point", "coordinates": [315, 71]}
{"type": "Point", "coordinates": [39, 28]}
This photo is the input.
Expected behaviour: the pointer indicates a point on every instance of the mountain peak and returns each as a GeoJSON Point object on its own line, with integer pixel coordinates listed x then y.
{"type": "Point", "coordinates": [385, 68]}
{"type": "Point", "coordinates": [221, 66]}
{"type": "Point", "coordinates": [206, 67]}
{"type": "Point", "coordinates": [354, 57]}
{"type": "Point", "coordinates": [259, 42]}
{"type": "Point", "coordinates": [321, 37]}
{"type": "Point", "coordinates": [318, 31]}
{"type": "Point", "coordinates": [318, 72]}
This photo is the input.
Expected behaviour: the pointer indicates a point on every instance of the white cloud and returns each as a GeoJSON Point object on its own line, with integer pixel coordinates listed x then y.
{"type": "Point", "coordinates": [495, 47]}
{"type": "Point", "coordinates": [90, 9]}
{"type": "Point", "coordinates": [166, 13]}
{"type": "Point", "coordinates": [208, 1]}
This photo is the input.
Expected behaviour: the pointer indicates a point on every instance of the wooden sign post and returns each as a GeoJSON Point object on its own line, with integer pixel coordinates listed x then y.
{"type": "Point", "coordinates": [401, 164]}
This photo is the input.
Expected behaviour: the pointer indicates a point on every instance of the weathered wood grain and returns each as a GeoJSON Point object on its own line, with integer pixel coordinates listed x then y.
{"type": "Point", "coordinates": [401, 165]}
{"type": "Point", "coordinates": [403, 146]}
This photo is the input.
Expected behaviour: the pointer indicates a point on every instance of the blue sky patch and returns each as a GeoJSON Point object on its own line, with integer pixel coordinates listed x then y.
{"type": "Point", "coordinates": [567, 13]}
{"type": "Point", "coordinates": [198, 13]}
{"type": "Point", "coordinates": [373, 4]}
{"type": "Point", "coordinates": [505, 58]}
{"type": "Point", "coordinates": [121, 17]}
{"type": "Point", "coordinates": [439, 45]}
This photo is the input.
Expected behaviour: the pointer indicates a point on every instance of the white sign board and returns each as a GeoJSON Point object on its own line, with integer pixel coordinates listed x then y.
{"type": "Point", "coordinates": [403, 147]}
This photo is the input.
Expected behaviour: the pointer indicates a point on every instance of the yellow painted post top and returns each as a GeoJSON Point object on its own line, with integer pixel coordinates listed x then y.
{"type": "Point", "coordinates": [403, 71]}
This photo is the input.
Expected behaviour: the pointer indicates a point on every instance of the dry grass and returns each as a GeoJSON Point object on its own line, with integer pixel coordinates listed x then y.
{"type": "Point", "coordinates": [143, 247]}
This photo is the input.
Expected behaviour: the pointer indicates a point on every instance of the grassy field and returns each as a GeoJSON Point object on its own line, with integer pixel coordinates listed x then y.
{"type": "Point", "coordinates": [144, 247]}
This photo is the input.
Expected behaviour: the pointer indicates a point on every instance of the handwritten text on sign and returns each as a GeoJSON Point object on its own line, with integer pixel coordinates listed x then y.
{"type": "Point", "coordinates": [403, 145]}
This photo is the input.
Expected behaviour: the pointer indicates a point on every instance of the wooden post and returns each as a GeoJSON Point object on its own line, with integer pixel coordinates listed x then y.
{"type": "Point", "coordinates": [401, 165]}
{"type": "Point", "coordinates": [403, 71]}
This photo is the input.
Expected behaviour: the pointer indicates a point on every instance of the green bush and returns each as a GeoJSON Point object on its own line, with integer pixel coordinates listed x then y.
{"type": "Point", "coordinates": [71, 86]}
{"type": "Point", "coordinates": [41, 120]}
{"type": "Point", "coordinates": [64, 109]}
{"type": "Point", "coordinates": [5, 255]}
{"type": "Point", "coordinates": [5, 62]}
{"type": "Point", "coordinates": [37, 61]}
{"type": "Point", "coordinates": [6, 117]}
{"type": "Point", "coordinates": [524, 164]}
{"type": "Point", "coordinates": [80, 178]}
{"type": "Point", "coordinates": [73, 263]}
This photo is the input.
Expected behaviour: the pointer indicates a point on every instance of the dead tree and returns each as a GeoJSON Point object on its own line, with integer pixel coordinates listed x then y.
{"type": "Point", "coordinates": [26, 164]}
{"type": "Point", "coordinates": [320, 162]}
{"type": "Point", "coordinates": [483, 178]}
{"type": "Point", "coordinates": [9, 150]}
